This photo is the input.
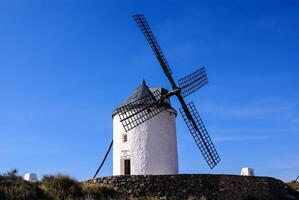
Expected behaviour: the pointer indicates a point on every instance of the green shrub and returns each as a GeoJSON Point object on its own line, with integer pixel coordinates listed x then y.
{"type": "Point", "coordinates": [61, 187]}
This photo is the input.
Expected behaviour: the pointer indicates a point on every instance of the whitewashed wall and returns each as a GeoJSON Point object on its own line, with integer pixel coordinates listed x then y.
{"type": "Point", "coordinates": [152, 146]}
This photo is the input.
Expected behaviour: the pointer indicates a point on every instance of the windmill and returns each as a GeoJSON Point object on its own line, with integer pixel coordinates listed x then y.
{"type": "Point", "coordinates": [135, 113]}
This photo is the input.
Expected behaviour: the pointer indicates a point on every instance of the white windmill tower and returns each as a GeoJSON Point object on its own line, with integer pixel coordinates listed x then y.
{"type": "Point", "coordinates": [151, 147]}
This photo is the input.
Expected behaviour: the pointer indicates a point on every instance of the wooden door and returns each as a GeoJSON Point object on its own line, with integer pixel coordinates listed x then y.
{"type": "Point", "coordinates": [127, 166]}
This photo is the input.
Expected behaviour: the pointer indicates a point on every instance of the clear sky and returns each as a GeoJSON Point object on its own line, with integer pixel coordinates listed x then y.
{"type": "Point", "coordinates": [66, 65]}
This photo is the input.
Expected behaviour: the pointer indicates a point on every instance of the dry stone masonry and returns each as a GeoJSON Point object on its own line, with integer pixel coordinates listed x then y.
{"type": "Point", "coordinates": [199, 186]}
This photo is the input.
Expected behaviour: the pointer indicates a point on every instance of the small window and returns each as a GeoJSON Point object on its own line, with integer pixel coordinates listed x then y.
{"type": "Point", "coordinates": [125, 138]}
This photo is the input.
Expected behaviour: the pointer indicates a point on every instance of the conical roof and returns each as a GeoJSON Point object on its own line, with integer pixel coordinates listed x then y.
{"type": "Point", "coordinates": [140, 92]}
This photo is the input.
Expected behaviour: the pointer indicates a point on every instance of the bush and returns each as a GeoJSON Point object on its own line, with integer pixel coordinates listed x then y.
{"type": "Point", "coordinates": [13, 187]}
{"type": "Point", "coordinates": [294, 185]}
{"type": "Point", "coordinates": [97, 191]}
{"type": "Point", "coordinates": [52, 187]}
{"type": "Point", "coordinates": [61, 187]}
{"type": "Point", "coordinates": [292, 189]}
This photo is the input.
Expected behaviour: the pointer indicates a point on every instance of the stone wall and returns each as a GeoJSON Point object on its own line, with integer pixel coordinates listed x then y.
{"type": "Point", "coordinates": [199, 186]}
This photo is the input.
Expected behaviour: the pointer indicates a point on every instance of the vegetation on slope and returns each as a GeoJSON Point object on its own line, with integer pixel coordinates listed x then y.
{"type": "Point", "coordinates": [293, 189]}
{"type": "Point", "coordinates": [61, 187]}
{"type": "Point", "coordinates": [13, 187]}
{"type": "Point", "coordinates": [57, 187]}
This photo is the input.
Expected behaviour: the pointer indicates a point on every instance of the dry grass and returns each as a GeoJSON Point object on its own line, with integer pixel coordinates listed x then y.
{"type": "Point", "coordinates": [294, 185]}
{"type": "Point", "coordinates": [61, 187]}
{"type": "Point", "coordinates": [13, 187]}
{"type": "Point", "coordinates": [293, 189]}
{"type": "Point", "coordinates": [98, 191]}
{"type": "Point", "coordinates": [51, 187]}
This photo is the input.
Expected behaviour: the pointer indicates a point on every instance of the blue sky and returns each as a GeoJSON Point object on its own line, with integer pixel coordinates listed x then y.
{"type": "Point", "coordinates": [66, 65]}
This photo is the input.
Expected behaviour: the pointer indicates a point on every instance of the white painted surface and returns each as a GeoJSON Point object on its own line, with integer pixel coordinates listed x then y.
{"type": "Point", "coordinates": [151, 147]}
{"type": "Point", "coordinates": [31, 177]}
{"type": "Point", "coordinates": [246, 171]}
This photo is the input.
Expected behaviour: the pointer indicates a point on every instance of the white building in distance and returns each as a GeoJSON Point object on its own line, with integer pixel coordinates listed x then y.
{"type": "Point", "coordinates": [151, 147]}
{"type": "Point", "coordinates": [31, 177]}
{"type": "Point", "coordinates": [246, 171]}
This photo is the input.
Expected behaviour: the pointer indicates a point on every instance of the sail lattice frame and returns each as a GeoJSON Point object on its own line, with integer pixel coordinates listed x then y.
{"type": "Point", "coordinates": [193, 82]}
{"type": "Point", "coordinates": [141, 110]}
{"type": "Point", "coordinates": [201, 136]}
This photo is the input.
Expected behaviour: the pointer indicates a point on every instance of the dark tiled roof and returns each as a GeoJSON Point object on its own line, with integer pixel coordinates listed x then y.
{"type": "Point", "coordinates": [140, 92]}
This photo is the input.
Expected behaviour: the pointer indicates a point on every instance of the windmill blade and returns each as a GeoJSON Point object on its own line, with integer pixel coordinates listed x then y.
{"type": "Point", "coordinates": [193, 82]}
{"type": "Point", "coordinates": [150, 37]}
{"type": "Point", "coordinates": [141, 110]}
{"type": "Point", "coordinates": [200, 135]}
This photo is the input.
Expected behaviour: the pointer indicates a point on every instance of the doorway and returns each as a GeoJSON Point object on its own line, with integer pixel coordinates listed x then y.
{"type": "Point", "coordinates": [127, 164]}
